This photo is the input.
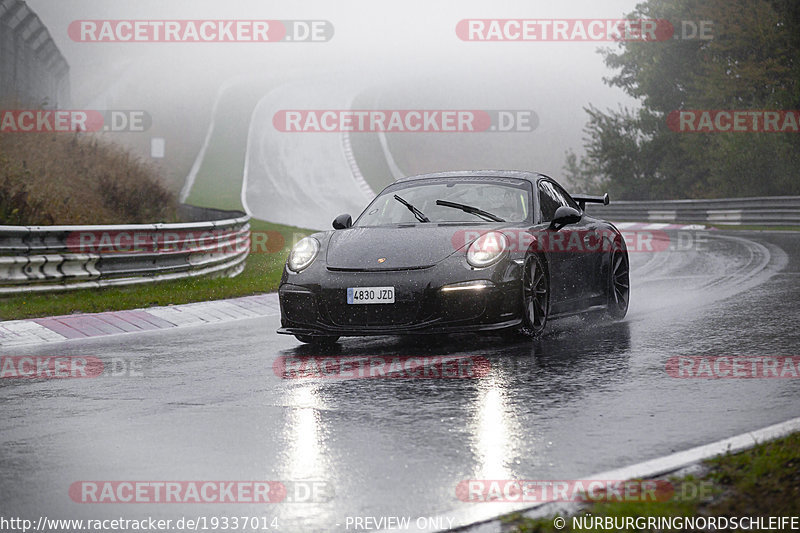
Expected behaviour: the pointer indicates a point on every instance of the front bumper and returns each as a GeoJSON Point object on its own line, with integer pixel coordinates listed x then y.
{"type": "Point", "coordinates": [431, 300]}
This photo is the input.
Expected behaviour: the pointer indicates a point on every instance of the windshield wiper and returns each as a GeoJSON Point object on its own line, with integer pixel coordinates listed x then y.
{"type": "Point", "coordinates": [471, 210]}
{"type": "Point", "coordinates": [417, 213]}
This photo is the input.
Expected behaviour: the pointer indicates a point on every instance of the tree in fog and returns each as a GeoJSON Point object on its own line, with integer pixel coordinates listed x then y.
{"type": "Point", "coordinates": [751, 61]}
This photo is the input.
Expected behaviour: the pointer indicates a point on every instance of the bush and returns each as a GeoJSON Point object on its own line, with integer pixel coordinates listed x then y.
{"type": "Point", "coordinates": [74, 178]}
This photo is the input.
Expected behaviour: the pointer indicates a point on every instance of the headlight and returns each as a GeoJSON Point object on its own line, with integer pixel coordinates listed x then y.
{"type": "Point", "coordinates": [487, 249]}
{"type": "Point", "coordinates": [303, 253]}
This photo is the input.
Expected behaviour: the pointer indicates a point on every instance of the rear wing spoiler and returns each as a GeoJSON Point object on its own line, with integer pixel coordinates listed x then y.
{"type": "Point", "coordinates": [583, 198]}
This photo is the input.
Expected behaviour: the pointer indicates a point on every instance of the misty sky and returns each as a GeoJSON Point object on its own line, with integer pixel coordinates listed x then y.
{"type": "Point", "coordinates": [410, 43]}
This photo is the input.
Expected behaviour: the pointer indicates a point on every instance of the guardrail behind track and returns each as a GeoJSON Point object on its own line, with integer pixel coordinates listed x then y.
{"type": "Point", "coordinates": [765, 210]}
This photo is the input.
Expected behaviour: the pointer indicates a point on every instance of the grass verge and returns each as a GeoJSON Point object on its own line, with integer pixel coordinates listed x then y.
{"type": "Point", "coordinates": [763, 481]}
{"type": "Point", "coordinates": [262, 273]}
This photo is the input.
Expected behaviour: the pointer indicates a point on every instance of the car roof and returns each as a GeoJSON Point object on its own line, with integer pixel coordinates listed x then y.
{"type": "Point", "coordinates": [518, 174]}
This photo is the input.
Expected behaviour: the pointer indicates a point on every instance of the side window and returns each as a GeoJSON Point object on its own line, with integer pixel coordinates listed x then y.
{"type": "Point", "coordinates": [548, 200]}
{"type": "Point", "coordinates": [563, 197]}
{"type": "Point", "coordinates": [551, 197]}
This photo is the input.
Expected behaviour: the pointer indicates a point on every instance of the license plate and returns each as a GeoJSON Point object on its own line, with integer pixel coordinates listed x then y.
{"type": "Point", "coordinates": [370, 295]}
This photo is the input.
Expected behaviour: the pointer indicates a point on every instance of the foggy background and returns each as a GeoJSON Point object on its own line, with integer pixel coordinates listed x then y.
{"type": "Point", "coordinates": [398, 54]}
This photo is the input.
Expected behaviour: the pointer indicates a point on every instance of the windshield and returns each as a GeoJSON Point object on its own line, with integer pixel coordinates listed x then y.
{"type": "Point", "coordinates": [507, 201]}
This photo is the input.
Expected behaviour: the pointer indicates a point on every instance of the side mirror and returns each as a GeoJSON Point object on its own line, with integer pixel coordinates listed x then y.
{"type": "Point", "coordinates": [342, 221]}
{"type": "Point", "coordinates": [565, 215]}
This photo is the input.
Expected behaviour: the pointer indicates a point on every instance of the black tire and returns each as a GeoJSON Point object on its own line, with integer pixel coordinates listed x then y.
{"type": "Point", "coordinates": [317, 339]}
{"type": "Point", "coordinates": [619, 282]}
{"type": "Point", "coordinates": [535, 297]}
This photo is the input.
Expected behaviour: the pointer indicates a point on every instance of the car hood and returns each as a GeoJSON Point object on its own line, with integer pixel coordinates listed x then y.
{"type": "Point", "coordinates": [400, 247]}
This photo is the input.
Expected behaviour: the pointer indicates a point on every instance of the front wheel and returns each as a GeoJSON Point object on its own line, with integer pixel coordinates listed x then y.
{"type": "Point", "coordinates": [317, 339]}
{"type": "Point", "coordinates": [535, 297]}
{"type": "Point", "coordinates": [619, 290]}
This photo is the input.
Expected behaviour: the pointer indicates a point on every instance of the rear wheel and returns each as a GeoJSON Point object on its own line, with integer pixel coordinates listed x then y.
{"type": "Point", "coordinates": [317, 339]}
{"type": "Point", "coordinates": [535, 297]}
{"type": "Point", "coordinates": [619, 281]}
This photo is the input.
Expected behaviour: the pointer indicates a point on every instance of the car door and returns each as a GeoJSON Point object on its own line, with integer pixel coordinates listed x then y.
{"type": "Point", "coordinates": [586, 249]}
{"type": "Point", "coordinates": [565, 248]}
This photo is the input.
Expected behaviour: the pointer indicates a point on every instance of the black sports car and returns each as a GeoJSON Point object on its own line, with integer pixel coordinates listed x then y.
{"type": "Point", "coordinates": [456, 252]}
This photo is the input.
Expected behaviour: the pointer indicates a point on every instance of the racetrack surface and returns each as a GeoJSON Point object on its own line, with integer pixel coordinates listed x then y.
{"type": "Point", "coordinates": [300, 179]}
{"type": "Point", "coordinates": [587, 398]}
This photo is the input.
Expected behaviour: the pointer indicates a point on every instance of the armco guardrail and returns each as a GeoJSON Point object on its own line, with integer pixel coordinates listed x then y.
{"type": "Point", "coordinates": [765, 210]}
{"type": "Point", "coordinates": [50, 258]}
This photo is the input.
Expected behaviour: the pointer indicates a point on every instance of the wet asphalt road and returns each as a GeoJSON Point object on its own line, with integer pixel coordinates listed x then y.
{"type": "Point", "coordinates": [587, 398]}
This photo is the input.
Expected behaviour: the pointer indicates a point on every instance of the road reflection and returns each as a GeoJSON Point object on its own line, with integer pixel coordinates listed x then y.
{"type": "Point", "coordinates": [305, 445]}
{"type": "Point", "coordinates": [492, 428]}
